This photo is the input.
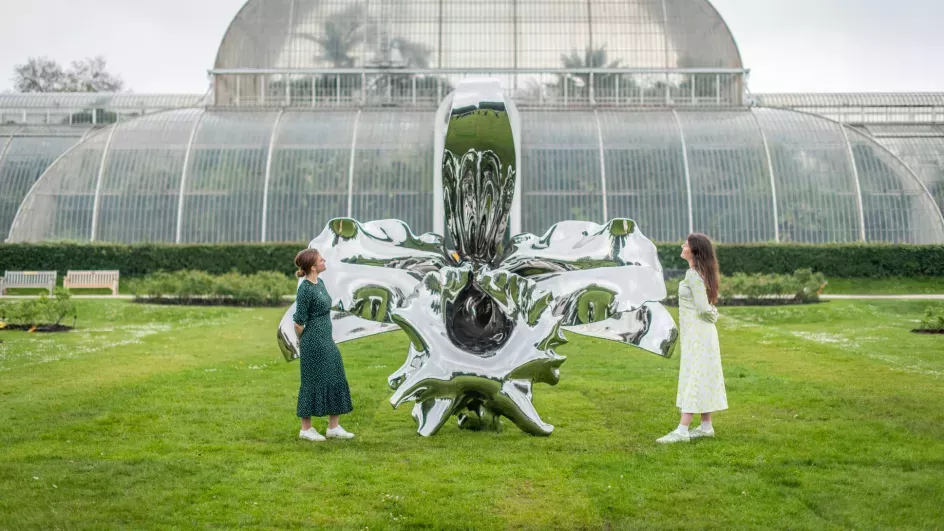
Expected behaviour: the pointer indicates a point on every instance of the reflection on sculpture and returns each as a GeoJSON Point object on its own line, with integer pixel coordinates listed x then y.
{"type": "Point", "coordinates": [484, 320]}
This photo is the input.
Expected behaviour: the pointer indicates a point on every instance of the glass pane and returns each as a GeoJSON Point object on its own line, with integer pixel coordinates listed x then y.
{"type": "Point", "coordinates": [141, 186]}
{"type": "Point", "coordinates": [223, 194]}
{"type": "Point", "coordinates": [560, 177]}
{"type": "Point", "coordinates": [731, 191]}
{"type": "Point", "coordinates": [309, 181]}
{"type": "Point", "coordinates": [897, 208]}
{"type": "Point", "coordinates": [645, 172]}
{"type": "Point", "coordinates": [393, 168]}
{"type": "Point", "coordinates": [23, 161]}
{"type": "Point", "coordinates": [815, 183]}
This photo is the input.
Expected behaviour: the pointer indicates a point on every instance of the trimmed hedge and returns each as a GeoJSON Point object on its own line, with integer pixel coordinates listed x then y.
{"type": "Point", "coordinates": [143, 259]}
{"type": "Point", "coordinates": [838, 260]}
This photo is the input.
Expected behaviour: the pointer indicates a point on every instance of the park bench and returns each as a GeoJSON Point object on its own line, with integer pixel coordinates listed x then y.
{"type": "Point", "coordinates": [28, 279]}
{"type": "Point", "coordinates": [92, 279]}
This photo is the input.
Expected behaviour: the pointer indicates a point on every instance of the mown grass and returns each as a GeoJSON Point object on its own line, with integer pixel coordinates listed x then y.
{"type": "Point", "coordinates": [177, 417]}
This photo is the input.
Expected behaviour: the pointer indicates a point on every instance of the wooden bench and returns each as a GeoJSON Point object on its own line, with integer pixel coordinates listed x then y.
{"type": "Point", "coordinates": [92, 279]}
{"type": "Point", "coordinates": [28, 279]}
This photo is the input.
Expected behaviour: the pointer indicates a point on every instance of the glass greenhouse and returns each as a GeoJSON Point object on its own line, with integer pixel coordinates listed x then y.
{"type": "Point", "coordinates": [326, 108]}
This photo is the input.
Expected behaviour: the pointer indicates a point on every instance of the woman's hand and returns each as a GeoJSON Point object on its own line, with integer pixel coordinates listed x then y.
{"type": "Point", "coordinates": [710, 316]}
{"type": "Point", "coordinates": [299, 329]}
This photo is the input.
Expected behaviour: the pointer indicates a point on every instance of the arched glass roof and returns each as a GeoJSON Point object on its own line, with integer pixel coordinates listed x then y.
{"type": "Point", "coordinates": [101, 100]}
{"type": "Point", "coordinates": [742, 175]}
{"type": "Point", "coordinates": [921, 147]}
{"type": "Point", "coordinates": [25, 152]}
{"type": "Point", "coordinates": [850, 99]}
{"type": "Point", "coordinates": [863, 107]}
{"type": "Point", "coordinates": [89, 108]}
{"type": "Point", "coordinates": [519, 34]}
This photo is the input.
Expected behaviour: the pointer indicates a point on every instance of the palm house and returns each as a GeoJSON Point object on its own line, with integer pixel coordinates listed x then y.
{"type": "Point", "coordinates": [326, 108]}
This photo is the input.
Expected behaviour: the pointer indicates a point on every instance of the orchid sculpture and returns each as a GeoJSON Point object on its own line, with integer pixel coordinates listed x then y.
{"type": "Point", "coordinates": [484, 311]}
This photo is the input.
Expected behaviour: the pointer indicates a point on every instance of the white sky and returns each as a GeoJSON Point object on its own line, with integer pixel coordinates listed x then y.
{"type": "Point", "coordinates": [166, 46]}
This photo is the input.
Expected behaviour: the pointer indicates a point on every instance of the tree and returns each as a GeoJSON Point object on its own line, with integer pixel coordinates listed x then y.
{"type": "Point", "coordinates": [341, 35]}
{"type": "Point", "coordinates": [407, 54]}
{"type": "Point", "coordinates": [343, 31]}
{"type": "Point", "coordinates": [91, 75]}
{"type": "Point", "coordinates": [604, 84]}
{"type": "Point", "coordinates": [39, 74]}
{"type": "Point", "coordinates": [42, 74]}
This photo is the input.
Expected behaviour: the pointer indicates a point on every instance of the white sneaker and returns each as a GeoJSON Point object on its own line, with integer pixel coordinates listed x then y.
{"type": "Point", "coordinates": [673, 437]}
{"type": "Point", "coordinates": [338, 433]}
{"type": "Point", "coordinates": [698, 432]}
{"type": "Point", "coordinates": [311, 434]}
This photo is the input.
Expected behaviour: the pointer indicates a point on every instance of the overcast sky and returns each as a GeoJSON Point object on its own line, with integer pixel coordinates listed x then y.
{"type": "Point", "coordinates": [166, 46]}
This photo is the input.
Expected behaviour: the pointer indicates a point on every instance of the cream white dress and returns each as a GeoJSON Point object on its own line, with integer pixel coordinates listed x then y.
{"type": "Point", "coordinates": [701, 381]}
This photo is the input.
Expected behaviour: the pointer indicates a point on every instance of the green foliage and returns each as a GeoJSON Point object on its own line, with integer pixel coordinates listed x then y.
{"type": "Point", "coordinates": [834, 261]}
{"type": "Point", "coordinates": [803, 285]}
{"type": "Point", "coordinates": [672, 286]}
{"type": "Point", "coordinates": [41, 311]}
{"type": "Point", "coordinates": [265, 288]}
{"type": "Point", "coordinates": [933, 320]}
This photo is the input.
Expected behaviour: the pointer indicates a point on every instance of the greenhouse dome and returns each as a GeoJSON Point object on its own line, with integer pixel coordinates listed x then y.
{"type": "Point", "coordinates": [629, 108]}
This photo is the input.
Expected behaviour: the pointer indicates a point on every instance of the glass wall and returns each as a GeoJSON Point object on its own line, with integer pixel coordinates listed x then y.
{"type": "Point", "coordinates": [921, 147]}
{"type": "Point", "coordinates": [25, 152]}
{"type": "Point", "coordinates": [738, 175]}
{"type": "Point", "coordinates": [646, 172]}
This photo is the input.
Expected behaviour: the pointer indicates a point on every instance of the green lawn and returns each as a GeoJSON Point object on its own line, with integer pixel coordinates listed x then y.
{"type": "Point", "coordinates": [174, 417]}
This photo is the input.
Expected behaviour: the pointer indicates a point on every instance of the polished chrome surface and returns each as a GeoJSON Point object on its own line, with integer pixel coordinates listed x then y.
{"type": "Point", "coordinates": [363, 295]}
{"type": "Point", "coordinates": [507, 343]}
{"type": "Point", "coordinates": [479, 171]}
{"type": "Point", "coordinates": [485, 314]}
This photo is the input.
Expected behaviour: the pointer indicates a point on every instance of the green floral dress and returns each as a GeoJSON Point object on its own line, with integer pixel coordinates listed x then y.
{"type": "Point", "coordinates": [324, 390]}
{"type": "Point", "coordinates": [701, 380]}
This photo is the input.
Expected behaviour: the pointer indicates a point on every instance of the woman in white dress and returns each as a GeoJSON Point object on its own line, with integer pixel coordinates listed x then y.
{"type": "Point", "coordinates": [701, 381]}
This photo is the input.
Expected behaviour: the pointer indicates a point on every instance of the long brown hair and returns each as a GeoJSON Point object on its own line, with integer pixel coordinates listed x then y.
{"type": "Point", "coordinates": [706, 263]}
{"type": "Point", "coordinates": [306, 260]}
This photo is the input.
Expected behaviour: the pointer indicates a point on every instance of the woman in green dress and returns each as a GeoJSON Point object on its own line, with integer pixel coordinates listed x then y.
{"type": "Point", "coordinates": [324, 390]}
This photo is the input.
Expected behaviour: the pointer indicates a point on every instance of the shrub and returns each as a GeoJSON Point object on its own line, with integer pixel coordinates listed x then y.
{"type": "Point", "coordinates": [802, 286]}
{"type": "Point", "coordinates": [197, 287]}
{"type": "Point", "coordinates": [932, 320]}
{"type": "Point", "coordinates": [40, 312]}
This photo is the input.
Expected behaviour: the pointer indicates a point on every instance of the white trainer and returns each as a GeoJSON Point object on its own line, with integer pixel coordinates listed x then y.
{"type": "Point", "coordinates": [311, 434]}
{"type": "Point", "coordinates": [673, 437]}
{"type": "Point", "coordinates": [699, 432]}
{"type": "Point", "coordinates": [338, 433]}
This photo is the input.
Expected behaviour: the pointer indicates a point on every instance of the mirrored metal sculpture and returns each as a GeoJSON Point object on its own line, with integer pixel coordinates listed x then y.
{"type": "Point", "coordinates": [485, 311]}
